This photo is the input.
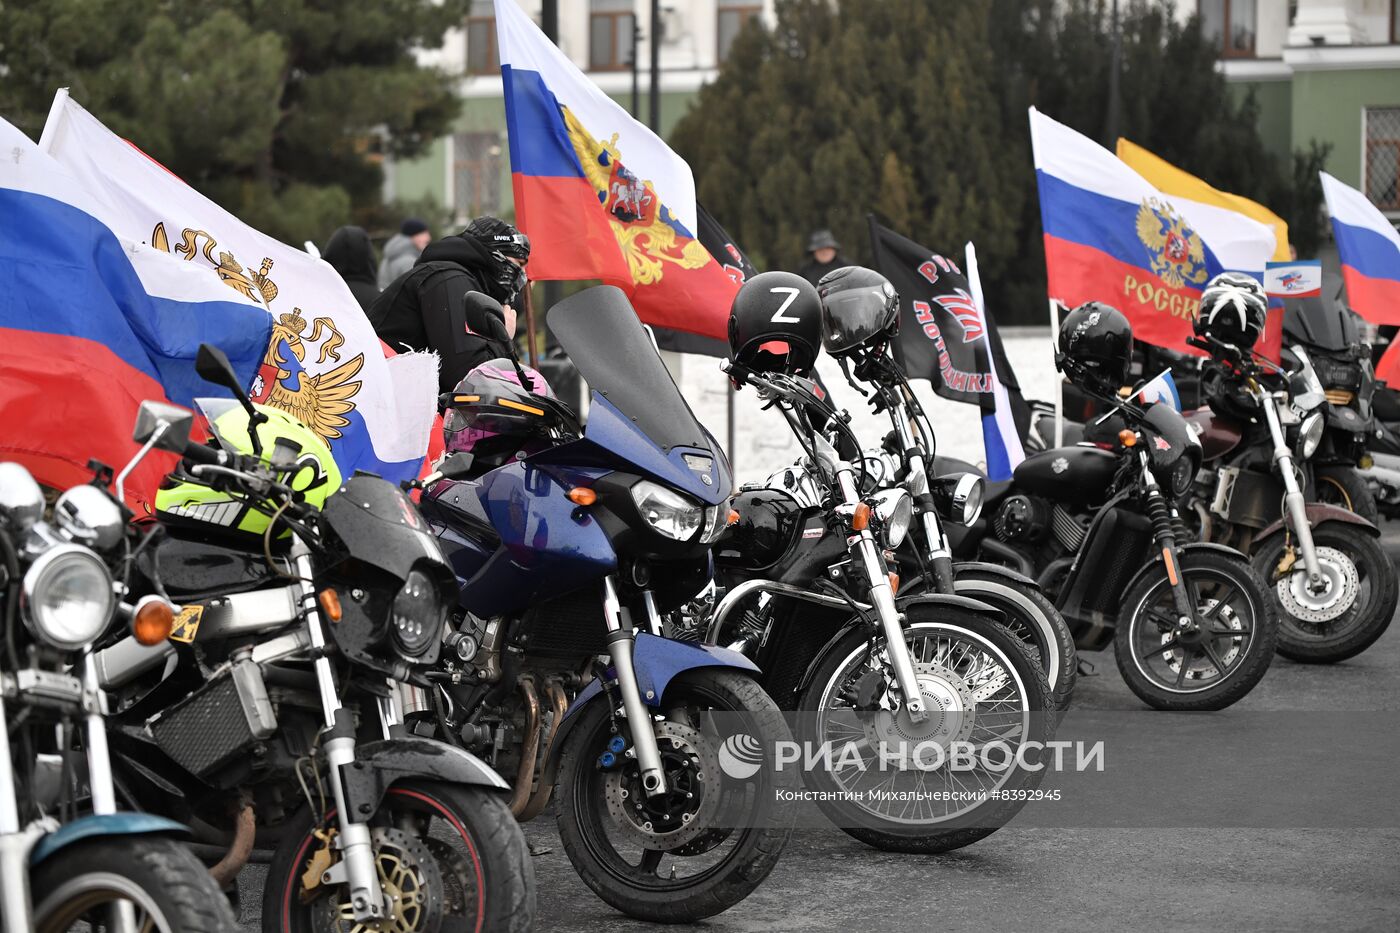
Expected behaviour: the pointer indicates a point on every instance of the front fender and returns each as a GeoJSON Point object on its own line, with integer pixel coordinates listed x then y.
{"type": "Point", "coordinates": [109, 824]}
{"type": "Point", "coordinates": [380, 765]}
{"type": "Point", "coordinates": [982, 566]}
{"type": "Point", "coordinates": [1183, 549]}
{"type": "Point", "coordinates": [1320, 513]}
{"type": "Point", "coordinates": [950, 600]}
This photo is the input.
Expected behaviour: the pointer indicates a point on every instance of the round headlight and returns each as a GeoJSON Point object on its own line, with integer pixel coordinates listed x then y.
{"type": "Point", "coordinates": [68, 596]}
{"type": "Point", "coordinates": [895, 510]}
{"type": "Point", "coordinates": [967, 497]}
{"type": "Point", "coordinates": [1310, 435]}
{"type": "Point", "coordinates": [417, 614]}
{"type": "Point", "coordinates": [666, 511]}
{"type": "Point", "coordinates": [1180, 476]}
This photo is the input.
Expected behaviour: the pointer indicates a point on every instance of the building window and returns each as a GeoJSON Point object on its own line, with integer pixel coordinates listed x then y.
{"type": "Point", "coordinates": [610, 27]}
{"type": "Point", "coordinates": [476, 174]}
{"type": "Point", "coordinates": [1395, 21]}
{"type": "Point", "coordinates": [733, 14]}
{"type": "Point", "coordinates": [1230, 24]}
{"type": "Point", "coordinates": [1382, 159]}
{"type": "Point", "coordinates": [483, 58]}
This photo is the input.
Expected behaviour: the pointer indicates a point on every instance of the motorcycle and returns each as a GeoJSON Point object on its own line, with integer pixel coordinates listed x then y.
{"type": "Point", "coordinates": [1190, 623]}
{"type": "Point", "coordinates": [60, 870]}
{"type": "Point", "coordinates": [570, 552]}
{"type": "Point", "coordinates": [270, 716]}
{"type": "Point", "coordinates": [926, 561]}
{"type": "Point", "coordinates": [809, 593]}
{"type": "Point", "coordinates": [1334, 585]}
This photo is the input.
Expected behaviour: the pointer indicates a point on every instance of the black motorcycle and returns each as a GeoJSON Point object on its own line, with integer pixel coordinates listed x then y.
{"type": "Point", "coordinates": [1191, 624]}
{"type": "Point", "coordinates": [271, 719]}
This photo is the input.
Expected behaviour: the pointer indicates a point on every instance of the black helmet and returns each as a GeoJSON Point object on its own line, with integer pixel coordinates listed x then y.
{"type": "Point", "coordinates": [1233, 307]}
{"type": "Point", "coordinates": [1096, 347]}
{"type": "Point", "coordinates": [775, 324]}
{"type": "Point", "coordinates": [504, 243]}
{"type": "Point", "coordinates": [859, 308]}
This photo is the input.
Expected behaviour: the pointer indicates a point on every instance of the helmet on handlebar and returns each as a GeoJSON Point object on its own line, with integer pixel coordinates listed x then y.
{"type": "Point", "coordinates": [187, 501]}
{"type": "Point", "coordinates": [490, 415]}
{"type": "Point", "coordinates": [775, 324]}
{"type": "Point", "coordinates": [1096, 347]}
{"type": "Point", "coordinates": [1232, 310]}
{"type": "Point", "coordinates": [860, 308]}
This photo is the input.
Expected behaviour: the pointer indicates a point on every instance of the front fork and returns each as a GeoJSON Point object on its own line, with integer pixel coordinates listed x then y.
{"type": "Point", "coordinates": [356, 867]}
{"type": "Point", "coordinates": [939, 554]}
{"type": "Point", "coordinates": [15, 843]}
{"type": "Point", "coordinates": [1293, 500]}
{"type": "Point", "coordinates": [621, 641]}
{"type": "Point", "coordinates": [1159, 512]}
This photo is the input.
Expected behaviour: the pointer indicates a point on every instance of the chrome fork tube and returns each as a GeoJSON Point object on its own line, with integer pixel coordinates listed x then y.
{"type": "Point", "coordinates": [620, 643]}
{"type": "Point", "coordinates": [357, 852]}
{"type": "Point", "coordinates": [14, 843]}
{"type": "Point", "coordinates": [103, 789]}
{"type": "Point", "coordinates": [882, 597]}
{"type": "Point", "coordinates": [1293, 496]}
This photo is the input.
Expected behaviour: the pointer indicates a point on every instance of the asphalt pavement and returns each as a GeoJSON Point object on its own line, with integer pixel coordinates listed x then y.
{"type": "Point", "coordinates": [1303, 874]}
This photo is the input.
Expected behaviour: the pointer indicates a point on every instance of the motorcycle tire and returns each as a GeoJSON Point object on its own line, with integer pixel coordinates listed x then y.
{"type": "Point", "coordinates": [466, 838]}
{"type": "Point", "coordinates": [984, 646]}
{"type": "Point", "coordinates": [1146, 633]}
{"type": "Point", "coordinates": [1343, 486]}
{"type": "Point", "coordinates": [1357, 628]}
{"type": "Point", "coordinates": [169, 889]}
{"type": "Point", "coordinates": [749, 813]}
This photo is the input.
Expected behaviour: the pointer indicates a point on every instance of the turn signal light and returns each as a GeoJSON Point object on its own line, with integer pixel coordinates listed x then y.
{"type": "Point", "coordinates": [733, 517]}
{"type": "Point", "coordinates": [860, 520]}
{"type": "Point", "coordinates": [153, 622]}
{"type": "Point", "coordinates": [1127, 437]}
{"type": "Point", "coordinates": [582, 495]}
{"type": "Point", "coordinates": [330, 603]}
{"type": "Point", "coordinates": [894, 583]}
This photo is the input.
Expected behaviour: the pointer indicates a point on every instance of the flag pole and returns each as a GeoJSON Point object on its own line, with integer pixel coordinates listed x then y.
{"type": "Point", "coordinates": [732, 438]}
{"type": "Point", "coordinates": [531, 352]}
{"type": "Point", "coordinates": [1059, 383]}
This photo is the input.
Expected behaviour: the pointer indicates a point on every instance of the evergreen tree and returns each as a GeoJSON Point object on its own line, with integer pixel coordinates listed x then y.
{"type": "Point", "coordinates": [280, 111]}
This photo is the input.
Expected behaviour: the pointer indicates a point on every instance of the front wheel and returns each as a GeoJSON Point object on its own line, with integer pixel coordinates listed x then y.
{"type": "Point", "coordinates": [1347, 610]}
{"type": "Point", "coordinates": [949, 780]}
{"type": "Point", "coordinates": [158, 880]}
{"type": "Point", "coordinates": [713, 835]}
{"type": "Point", "coordinates": [1344, 487]}
{"type": "Point", "coordinates": [1216, 658]}
{"type": "Point", "coordinates": [450, 858]}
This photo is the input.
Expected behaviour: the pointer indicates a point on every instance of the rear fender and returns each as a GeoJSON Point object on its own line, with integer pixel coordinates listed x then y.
{"type": "Point", "coordinates": [109, 824]}
{"type": "Point", "coordinates": [1319, 513]}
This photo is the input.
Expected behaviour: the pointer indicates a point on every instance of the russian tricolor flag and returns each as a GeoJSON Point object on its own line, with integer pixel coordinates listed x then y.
{"type": "Point", "coordinates": [1111, 236]}
{"type": "Point", "coordinates": [600, 195]}
{"type": "Point", "coordinates": [92, 325]}
{"type": "Point", "coordinates": [1369, 248]}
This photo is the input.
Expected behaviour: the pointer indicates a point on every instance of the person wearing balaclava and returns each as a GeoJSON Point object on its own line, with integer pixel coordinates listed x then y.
{"type": "Point", "coordinates": [426, 307]}
{"type": "Point", "coordinates": [350, 253]}
{"type": "Point", "coordinates": [823, 256]}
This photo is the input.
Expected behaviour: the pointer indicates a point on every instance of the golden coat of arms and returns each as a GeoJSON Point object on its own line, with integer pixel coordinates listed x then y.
{"type": "Point", "coordinates": [1178, 255]}
{"type": "Point", "coordinates": [644, 228]}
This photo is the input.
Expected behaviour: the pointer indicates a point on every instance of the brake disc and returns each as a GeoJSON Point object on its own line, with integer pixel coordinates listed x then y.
{"type": "Point", "coordinates": [692, 798]}
{"type": "Point", "coordinates": [410, 880]}
{"type": "Point", "coordinates": [951, 706]}
{"type": "Point", "coordinates": [1326, 600]}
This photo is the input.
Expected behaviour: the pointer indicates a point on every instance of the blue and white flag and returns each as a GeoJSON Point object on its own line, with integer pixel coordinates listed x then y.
{"type": "Point", "coordinates": [1299, 278]}
{"type": "Point", "coordinates": [323, 363]}
{"type": "Point", "coordinates": [1000, 437]}
{"type": "Point", "coordinates": [1161, 389]}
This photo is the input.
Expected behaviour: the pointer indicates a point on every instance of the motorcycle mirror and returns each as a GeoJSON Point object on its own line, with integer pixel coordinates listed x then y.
{"type": "Point", "coordinates": [212, 365]}
{"type": "Point", "coordinates": [170, 425]}
{"type": "Point", "coordinates": [479, 301]}
{"type": "Point", "coordinates": [457, 466]}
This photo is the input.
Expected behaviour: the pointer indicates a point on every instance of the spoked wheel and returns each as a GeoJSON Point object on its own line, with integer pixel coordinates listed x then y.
{"type": "Point", "coordinates": [156, 883]}
{"type": "Point", "coordinates": [715, 832]}
{"type": "Point", "coordinates": [1213, 660]}
{"type": "Point", "coordinates": [449, 858]}
{"type": "Point", "coordinates": [1342, 613]}
{"type": "Point", "coordinates": [927, 786]}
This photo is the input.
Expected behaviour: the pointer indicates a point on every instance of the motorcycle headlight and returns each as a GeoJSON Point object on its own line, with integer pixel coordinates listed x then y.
{"type": "Point", "coordinates": [1310, 435]}
{"type": "Point", "coordinates": [895, 509]}
{"type": "Point", "coordinates": [666, 511]}
{"type": "Point", "coordinates": [1179, 476]}
{"type": "Point", "coordinates": [68, 595]}
{"type": "Point", "coordinates": [958, 497]}
{"type": "Point", "coordinates": [417, 614]}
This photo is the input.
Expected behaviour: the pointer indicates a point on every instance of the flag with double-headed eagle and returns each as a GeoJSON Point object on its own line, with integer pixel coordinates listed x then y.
{"type": "Point", "coordinates": [599, 194]}
{"type": "Point", "coordinates": [1111, 236]}
{"type": "Point", "coordinates": [323, 363]}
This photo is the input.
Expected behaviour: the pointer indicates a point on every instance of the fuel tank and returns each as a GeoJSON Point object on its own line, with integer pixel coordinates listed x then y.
{"type": "Point", "coordinates": [1218, 435]}
{"type": "Point", "coordinates": [1071, 475]}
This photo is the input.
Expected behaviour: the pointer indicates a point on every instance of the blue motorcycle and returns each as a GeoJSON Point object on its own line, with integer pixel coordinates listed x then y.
{"type": "Point", "coordinates": [670, 802]}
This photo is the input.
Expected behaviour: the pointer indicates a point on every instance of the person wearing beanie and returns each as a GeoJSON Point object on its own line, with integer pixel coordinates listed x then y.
{"type": "Point", "coordinates": [402, 250]}
{"type": "Point", "coordinates": [425, 308]}
{"type": "Point", "coordinates": [350, 253]}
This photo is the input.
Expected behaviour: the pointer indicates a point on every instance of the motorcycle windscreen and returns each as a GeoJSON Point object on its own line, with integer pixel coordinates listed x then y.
{"type": "Point", "coordinates": [613, 353]}
{"type": "Point", "coordinates": [1317, 322]}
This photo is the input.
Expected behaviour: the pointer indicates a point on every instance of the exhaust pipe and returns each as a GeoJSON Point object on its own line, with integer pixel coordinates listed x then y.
{"type": "Point", "coordinates": [529, 748]}
{"type": "Point", "coordinates": [558, 705]}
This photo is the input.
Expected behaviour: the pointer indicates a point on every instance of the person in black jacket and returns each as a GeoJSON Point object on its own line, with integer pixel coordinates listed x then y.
{"type": "Point", "coordinates": [350, 253]}
{"type": "Point", "coordinates": [425, 308]}
{"type": "Point", "coordinates": [823, 256]}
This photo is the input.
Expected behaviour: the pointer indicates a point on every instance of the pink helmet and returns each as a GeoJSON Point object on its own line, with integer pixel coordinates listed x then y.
{"type": "Point", "coordinates": [485, 419]}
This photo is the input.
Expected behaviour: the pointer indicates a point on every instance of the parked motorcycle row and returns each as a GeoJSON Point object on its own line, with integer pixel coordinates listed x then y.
{"type": "Point", "coordinates": [370, 687]}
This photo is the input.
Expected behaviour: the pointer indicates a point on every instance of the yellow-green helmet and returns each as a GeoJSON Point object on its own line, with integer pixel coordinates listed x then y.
{"type": "Point", "coordinates": [186, 501]}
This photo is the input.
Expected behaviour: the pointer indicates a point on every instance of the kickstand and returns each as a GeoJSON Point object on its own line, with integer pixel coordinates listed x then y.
{"type": "Point", "coordinates": [1086, 669]}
